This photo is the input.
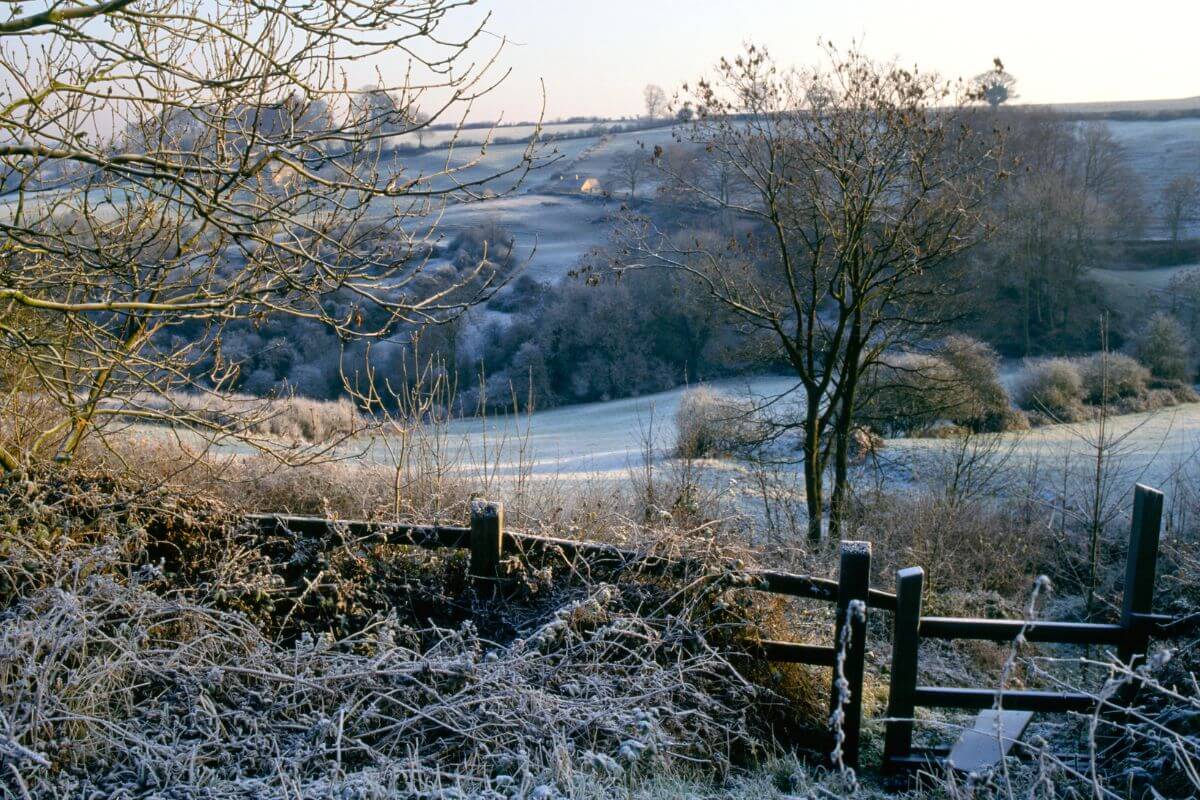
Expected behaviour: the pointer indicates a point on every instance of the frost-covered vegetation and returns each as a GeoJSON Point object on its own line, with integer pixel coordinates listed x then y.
{"type": "Point", "coordinates": [708, 423]}
{"type": "Point", "coordinates": [156, 647]}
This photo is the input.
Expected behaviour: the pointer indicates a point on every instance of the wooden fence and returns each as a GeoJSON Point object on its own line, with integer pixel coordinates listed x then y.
{"type": "Point", "coordinates": [1131, 637]}
{"type": "Point", "coordinates": [490, 544]}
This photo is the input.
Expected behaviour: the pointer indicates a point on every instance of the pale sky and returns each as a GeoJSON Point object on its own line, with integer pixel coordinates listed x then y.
{"type": "Point", "coordinates": [595, 57]}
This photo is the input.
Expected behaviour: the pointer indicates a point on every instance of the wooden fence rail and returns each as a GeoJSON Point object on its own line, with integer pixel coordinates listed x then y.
{"type": "Point", "coordinates": [490, 544]}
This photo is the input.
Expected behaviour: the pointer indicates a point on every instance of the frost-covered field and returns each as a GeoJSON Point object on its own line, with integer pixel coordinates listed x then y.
{"type": "Point", "coordinates": [1159, 151]}
{"type": "Point", "coordinates": [551, 232]}
{"type": "Point", "coordinates": [554, 224]}
{"type": "Point", "coordinates": [1130, 289]}
{"type": "Point", "coordinates": [1140, 280]}
{"type": "Point", "coordinates": [476, 135]}
{"type": "Point", "coordinates": [593, 440]}
{"type": "Point", "coordinates": [1154, 448]}
{"type": "Point", "coordinates": [606, 441]}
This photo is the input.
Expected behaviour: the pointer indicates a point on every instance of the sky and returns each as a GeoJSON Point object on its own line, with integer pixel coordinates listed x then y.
{"type": "Point", "coordinates": [595, 57]}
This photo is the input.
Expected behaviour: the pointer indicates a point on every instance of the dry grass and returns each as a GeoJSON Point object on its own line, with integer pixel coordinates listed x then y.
{"type": "Point", "coordinates": [284, 419]}
{"type": "Point", "coordinates": [970, 550]}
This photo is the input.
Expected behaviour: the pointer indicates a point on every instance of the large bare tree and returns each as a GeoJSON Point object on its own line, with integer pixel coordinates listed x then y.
{"type": "Point", "coordinates": [171, 166]}
{"type": "Point", "coordinates": [862, 183]}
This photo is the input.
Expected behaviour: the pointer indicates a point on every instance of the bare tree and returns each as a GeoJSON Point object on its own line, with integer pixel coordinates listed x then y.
{"type": "Point", "coordinates": [655, 100]}
{"type": "Point", "coordinates": [995, 86]}
{"type": "Point", "coordinates": [629, 169]}
{"type": "Point", "coordinates": [863, 183]}
{"type": "Point", "coordinates": [171, 166]}
{"type": "Point", "coordinates": [1180, 202]}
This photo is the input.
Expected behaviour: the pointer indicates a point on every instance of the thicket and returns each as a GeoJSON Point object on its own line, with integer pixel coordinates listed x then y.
{"type": "Point", "coordinates": [156, 646]}
{"type": "Point", "coordinates": [1070, 198]}
{"type": "Point", "coordinates": [709, 424]}
{"type": "Point", "coordinates": [275, 355]}
{"type": "Point", "coordinates": [1053, 387]}
{"type": "Point", "coordinates": [1107, 377]}
{"type": "Point", "coordinates": [603, 336]}
{"type": "Point", "coordinates": [958, 383]}
{"type": "Point", "coordinates": [1165, 347]}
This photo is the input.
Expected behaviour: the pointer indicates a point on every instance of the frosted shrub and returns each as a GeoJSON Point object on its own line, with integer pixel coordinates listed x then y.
{"type": "Point", "coordinates": [982, 402]}
{"type": "Point", "coordinates": [909, 394]}
{"type": "Point", "coordinates": [1112, 376]}
{"type": "Point", "coordinates": [712, 424]}
{"type": "Point", "coordinates": [1164, 347]}
{"type": "Point", "coordinates": [288, 419]}
{"type": "Point", "coordinates": [912, 393]}
{"type": "Point", "coordinates": [1052, 387]}
{"type": "Point", "coordinates": [124, 678]}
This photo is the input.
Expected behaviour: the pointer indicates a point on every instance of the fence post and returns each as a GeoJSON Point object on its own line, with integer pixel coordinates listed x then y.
{"type": "Point", "coordinates": [905, 646]}
{"type": "Point", "coordinates": [1140, 566]}
{"type": "Point", "coordinates": [854, 583]}
{"type": "Point", "coordinates": [487, 543]}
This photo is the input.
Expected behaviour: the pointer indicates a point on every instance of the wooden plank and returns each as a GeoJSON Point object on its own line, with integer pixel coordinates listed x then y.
{"type": "Point", "coordinates": [1006, 630]}
{"type": "Point", "coordinates": [794, 653]}
{"type": "Point", "coordinates": [1018, 700]}
{"type": "Point", "coordinates": [989, 741]}
{"type": "Point", "coordinates": [1140, 567]}
{"type": "Point", "coordinates": [807, 586]}
{"type": "Point", "coordinates": [921, 758]}
{"type": "Point", "coordinates": [428, 536]}
{"type": "Point", "coordinates": [436, 536]}
{"type": "Point", "coordinates": [906, 643]}
{"type": "Point", "coordinates": [786, 583]}
{"type": "Point", "coordinates": [885, 601]}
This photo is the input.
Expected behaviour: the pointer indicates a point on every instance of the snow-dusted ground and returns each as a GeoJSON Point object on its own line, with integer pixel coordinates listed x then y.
{"type": "Point", "coordinates": [604, 443]}
{"type": "Point", "coordinates": [1131, 291]}
{"type": "Point", "coordinates": [1154, 448]}
{"type": "Point", "coordinates": [555, 230]}
{"type": "Point", "coordinates": [475, 135]}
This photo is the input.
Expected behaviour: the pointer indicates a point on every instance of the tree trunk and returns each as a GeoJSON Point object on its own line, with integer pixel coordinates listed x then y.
{"type": "Point", "coordinates": [843, 427]}
{"type": "Point", "coordinates": [1027, 312]}
{"type": "Point", "coordinates": [814, 469]}
{"type": "Point", "coordinates": [841, 471]}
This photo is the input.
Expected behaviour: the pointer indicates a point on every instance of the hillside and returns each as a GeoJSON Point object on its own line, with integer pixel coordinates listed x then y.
{"type": "Point", "coordinates": [548, 211]}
